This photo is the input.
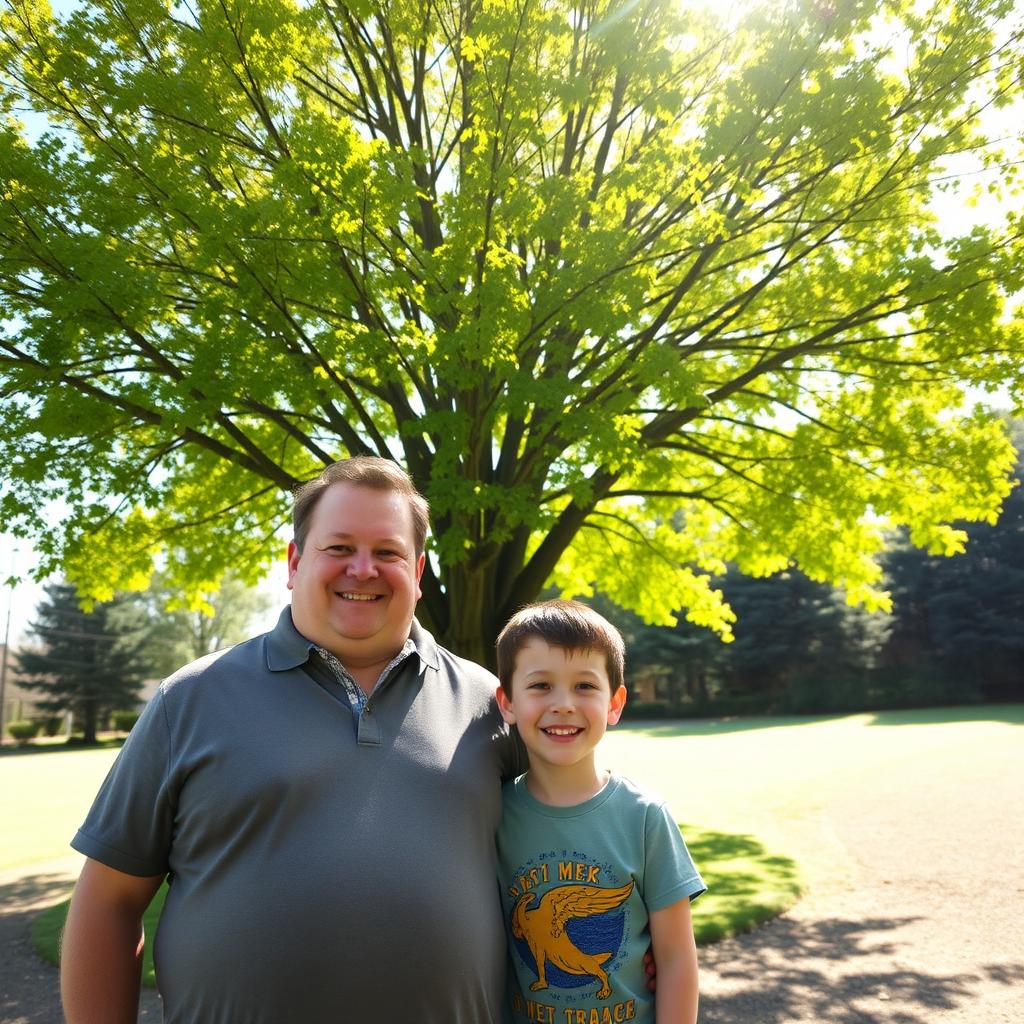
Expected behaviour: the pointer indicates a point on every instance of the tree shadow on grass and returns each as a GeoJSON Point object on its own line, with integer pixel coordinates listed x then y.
{"type": "Point", "coordinates": [662, 729]}
{"type": "Point", "coordinates": [837, 972]}
{"type": "Point", "coordinates": [1012, 714]}
{"type": "Point", "coordinates": [747, 884]}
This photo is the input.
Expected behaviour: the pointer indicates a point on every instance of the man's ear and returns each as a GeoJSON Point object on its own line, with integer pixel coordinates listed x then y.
{"type": "Point", "coordinates": [618, 702]}
{"type": "Point", "coordinates": [421, 561]}
{"type": "Point", "coordinates": [505, 705]}
{"type": "Point", "coordinates": [293, 562]}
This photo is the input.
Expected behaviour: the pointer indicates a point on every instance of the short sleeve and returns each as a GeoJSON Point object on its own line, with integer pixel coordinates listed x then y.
{"type": "Point", "coordinates": [130, 823]}
{"type": "Point", "coordinates": [669, 872]}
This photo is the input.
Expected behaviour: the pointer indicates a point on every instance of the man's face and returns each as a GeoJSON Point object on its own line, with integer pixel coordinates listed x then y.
{"type": "Point", "coordinates": [356, 582]}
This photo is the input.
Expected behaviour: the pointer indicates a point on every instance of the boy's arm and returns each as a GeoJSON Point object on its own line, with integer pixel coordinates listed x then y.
{"type": "Point", "coordinates": [675, 952]}
{"type": "Point", "coordinates": [101, 951]}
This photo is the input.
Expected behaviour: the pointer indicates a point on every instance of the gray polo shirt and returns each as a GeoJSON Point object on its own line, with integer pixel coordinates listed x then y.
{"type": "Point", "coordinates": [324, 866]}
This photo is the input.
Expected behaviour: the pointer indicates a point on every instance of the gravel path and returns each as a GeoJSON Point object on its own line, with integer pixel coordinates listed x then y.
{"type": "Point", "coordinates": [928, 927]}
{"type": "Point", "coordinates": [29, 990]}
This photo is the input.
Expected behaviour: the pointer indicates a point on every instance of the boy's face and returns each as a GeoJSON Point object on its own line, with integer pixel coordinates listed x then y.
{"type": "Point", "coordinates": [561, 701]}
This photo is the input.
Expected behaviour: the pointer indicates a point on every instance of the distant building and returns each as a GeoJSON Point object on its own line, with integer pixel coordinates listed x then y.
{"type": "Point", "coordinates": [19, 703]}
{"type": "Point", "coordinates": [148, 691]}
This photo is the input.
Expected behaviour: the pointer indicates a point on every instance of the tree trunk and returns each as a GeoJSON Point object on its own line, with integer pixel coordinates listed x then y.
{"type": "Point", "coordinates": [472, 628]}
{"type": "Point", "coordinates": [89, 722]}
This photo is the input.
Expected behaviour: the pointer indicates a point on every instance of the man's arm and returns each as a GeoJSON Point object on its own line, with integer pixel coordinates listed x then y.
{"type": "Point", "coordinates": [101, 951]}
{"type": "Point", "coordinates": [675, 952]}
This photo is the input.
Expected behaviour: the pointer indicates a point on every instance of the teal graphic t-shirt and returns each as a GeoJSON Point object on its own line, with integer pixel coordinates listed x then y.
{"type": "Point", "coordinates": [577, 885]}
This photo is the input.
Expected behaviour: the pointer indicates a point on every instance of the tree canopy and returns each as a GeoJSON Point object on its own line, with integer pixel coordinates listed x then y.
{"type": "Point", "coordinates": [171, 630]}
{"type": "Point", "coordinates": [591, 271]}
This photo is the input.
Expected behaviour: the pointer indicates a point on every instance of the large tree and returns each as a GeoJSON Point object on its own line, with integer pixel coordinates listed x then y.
{"type": "Point", "coordinates": [583, 268]}
{"type": "Point", "coordinates": [85, 662]}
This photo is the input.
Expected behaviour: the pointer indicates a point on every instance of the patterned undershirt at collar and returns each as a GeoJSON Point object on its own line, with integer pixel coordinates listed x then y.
{"type": "Point", "coordinates": [357, 696]}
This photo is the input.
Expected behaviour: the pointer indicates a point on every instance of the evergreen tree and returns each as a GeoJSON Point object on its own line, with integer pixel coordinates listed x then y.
{"type": "Point", "coordinates": [86, 662]}
{"type": "Point", "coordinates": [799, 645]}
{"type": "Point", "coordinates": [681, 659]}
{"type": "Point", "coordinates": [959, 625]}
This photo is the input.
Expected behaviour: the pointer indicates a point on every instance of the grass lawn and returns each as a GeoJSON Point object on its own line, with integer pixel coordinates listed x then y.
{"type": "Point", "coordinates": [754, 790]}
{"type": "Point", "coordinates": [773, 778]}
{"type": "Point", "coordinates": [44, 796]}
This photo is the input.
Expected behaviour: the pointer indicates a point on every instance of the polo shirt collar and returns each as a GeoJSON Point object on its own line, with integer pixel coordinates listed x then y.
{"type": "Point", "coordinates": [287, 648]}
{"type": "Point", "coordinates": [426, 646]}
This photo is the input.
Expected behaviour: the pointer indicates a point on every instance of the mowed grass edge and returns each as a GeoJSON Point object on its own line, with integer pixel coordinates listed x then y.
{"type": "Point", "coordinates": [757, 775]}
{"type": "Point", "coordinates": [747, 885]}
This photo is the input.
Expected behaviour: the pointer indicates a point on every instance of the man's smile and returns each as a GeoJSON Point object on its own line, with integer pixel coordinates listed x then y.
{"type": "Point", "coordinates": [352, 595]}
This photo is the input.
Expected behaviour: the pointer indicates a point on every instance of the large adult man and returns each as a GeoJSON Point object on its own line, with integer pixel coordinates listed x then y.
{"type": "Point", "coordinates": [323, 797]}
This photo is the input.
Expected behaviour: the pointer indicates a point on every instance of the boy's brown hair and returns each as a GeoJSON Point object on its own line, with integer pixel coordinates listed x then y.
{"type": "Point", "coordinates": [569, 625]}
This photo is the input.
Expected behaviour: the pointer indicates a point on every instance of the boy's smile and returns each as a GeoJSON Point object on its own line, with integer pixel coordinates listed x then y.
{"type": "Point", "coordinates": [562, 704]}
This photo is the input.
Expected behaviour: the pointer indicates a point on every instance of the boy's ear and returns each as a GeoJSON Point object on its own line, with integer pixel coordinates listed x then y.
{"type": "Point", "coordinates": [505, 706]}
{"type": "Point", "coordinates": [618, 702]}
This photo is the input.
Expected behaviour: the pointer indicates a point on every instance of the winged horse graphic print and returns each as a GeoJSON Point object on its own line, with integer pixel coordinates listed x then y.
{"type": "Point", "coordinates": [542, 928]}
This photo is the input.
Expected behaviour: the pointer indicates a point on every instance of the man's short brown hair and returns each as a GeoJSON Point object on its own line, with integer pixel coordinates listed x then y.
{"type": "Point", "coordinates": [360, 471]}
{"type": "Point", "coordinates": [570, 625]}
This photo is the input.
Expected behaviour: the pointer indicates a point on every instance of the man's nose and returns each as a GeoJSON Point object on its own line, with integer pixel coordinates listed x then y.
{"type": "Point", "coordinates": [362, 566]}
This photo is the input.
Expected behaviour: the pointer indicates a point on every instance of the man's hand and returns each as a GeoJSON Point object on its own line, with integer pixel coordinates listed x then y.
{"type": "Point", "coordinates": [651, 970]}
{"type": "Point", "coordinates": [101, 951]}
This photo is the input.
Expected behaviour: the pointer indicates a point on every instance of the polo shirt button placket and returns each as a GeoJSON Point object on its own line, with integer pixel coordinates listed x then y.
{"type": "Point", "coordinates": [369, 733]}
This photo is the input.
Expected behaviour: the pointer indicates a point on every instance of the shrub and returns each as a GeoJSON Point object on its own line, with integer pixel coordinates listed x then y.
{"type": "Point", "coordinates": [825, 694]}
{"type": "Point", "coordinates": [124, 720]}
{"type": "Point", "coordinates": [23, 731]}
{"type": "Point", "coordinates": [924, 686]}
{"type": "Point", "coordinates": [52, 725]}
{"type": "Point", "coordinates": [645, 709]}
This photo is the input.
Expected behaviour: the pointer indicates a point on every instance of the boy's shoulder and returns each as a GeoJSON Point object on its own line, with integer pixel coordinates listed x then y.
{"type": "Point", "coordinates": [629, 791]}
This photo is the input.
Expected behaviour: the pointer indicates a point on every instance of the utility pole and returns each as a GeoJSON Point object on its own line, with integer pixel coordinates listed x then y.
{"type": "Point", "coordinates": [3, 663]}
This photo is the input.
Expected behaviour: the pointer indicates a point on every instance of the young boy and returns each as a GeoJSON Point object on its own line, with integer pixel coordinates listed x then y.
{"type": "Point", "coordinates": [592, 869]}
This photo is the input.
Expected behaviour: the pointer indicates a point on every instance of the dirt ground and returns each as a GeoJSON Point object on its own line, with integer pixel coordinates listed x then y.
{"type": "Point", "coordinates": [929, 928]}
